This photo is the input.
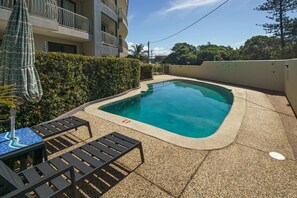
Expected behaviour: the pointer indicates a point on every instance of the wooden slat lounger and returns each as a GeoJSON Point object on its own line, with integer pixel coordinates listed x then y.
{"type": "Point", "coordinates": [59, 126]}
{"type": "Point", "coordinates": [61, 174]}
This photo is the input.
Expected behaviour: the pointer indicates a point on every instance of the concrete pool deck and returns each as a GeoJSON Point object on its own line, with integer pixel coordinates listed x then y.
{"type": "Point", "coordinates": [224, 136]}
{"type": "Point", "coordinates": [243, 169]}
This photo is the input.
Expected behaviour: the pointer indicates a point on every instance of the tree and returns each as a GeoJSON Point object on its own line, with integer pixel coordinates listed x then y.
{"type": "Point", "coordinates": [182, 54]}
{"type": "Point", "coordinates": [260, 48]}
{"type": "Point", "coordinates": [211, 52]}
{"type": "Point", "coordinates": [291, 49]}
{"type": "Point", "coordinates": [138, 52]}
{"type": "Point", "coordinates": [278, 10]}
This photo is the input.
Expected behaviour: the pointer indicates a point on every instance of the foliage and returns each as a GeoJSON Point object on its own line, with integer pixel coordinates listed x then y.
{"type": "Point", "coordinates": [7, 96]}
{"type": "Point", "coordinates": [182, 54]}
{"type": "Point", "coordinates": [138, 52]}
{"type": "Point", "coordinates": [261, 48]}
{"type": "Point", "coordinates": [185, 54]}
{"type": "Point", "coordinates": [278, 12]}
{"type": "Point", "coordinates": [159, 59]}
{"type": "Point", "coordinates": [212, 52]}
{"type": "Point", "coordinates": [291, 48]}
{"type": "Point", "coordinates": [146, 72]}
{"type": "Point", "coordinates": [69, 81]}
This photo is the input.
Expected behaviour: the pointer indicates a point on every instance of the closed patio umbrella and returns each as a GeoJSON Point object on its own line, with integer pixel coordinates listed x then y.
{"type": "Point", "coordinates": [17, 57]}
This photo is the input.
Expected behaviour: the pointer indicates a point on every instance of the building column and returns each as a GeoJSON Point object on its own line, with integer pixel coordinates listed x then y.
{"type": "Point", "coordinates": [97, 37]}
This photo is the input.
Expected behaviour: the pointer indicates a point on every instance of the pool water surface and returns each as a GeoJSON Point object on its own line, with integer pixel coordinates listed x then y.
{"type": "Point", "coordinates": [190, 109]}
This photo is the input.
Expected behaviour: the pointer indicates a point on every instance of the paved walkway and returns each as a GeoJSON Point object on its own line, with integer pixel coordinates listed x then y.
{"type": "Point", "coordinates": [243, 169]}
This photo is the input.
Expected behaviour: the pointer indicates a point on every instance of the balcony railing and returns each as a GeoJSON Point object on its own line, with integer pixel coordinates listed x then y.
{"type": "Point", "coordinates": [73, 20]}
{"type": "Point", "coordinates": [111, 4]}
{"type": "Point", "coordinates": [49, 9]}
{"type": "Point", "coordinates": [123, 15]}
{"type": "Point", "coordinates": [123, 46]}
{"type": "Point", "coordinates": [109, 39]}
{"type": "Point", "coordinates": [42, 8]}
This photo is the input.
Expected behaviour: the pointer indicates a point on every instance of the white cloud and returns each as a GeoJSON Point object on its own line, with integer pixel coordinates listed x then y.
{"type": "Point", "coordinates": [160, 51]}
{"type": "Point", "coordinates": [179, 5]}
{"type": "Point", "coordinates": [130, 44]}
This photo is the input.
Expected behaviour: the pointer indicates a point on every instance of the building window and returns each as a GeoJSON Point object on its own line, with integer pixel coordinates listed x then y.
{"type": "Point", "coordinates": [58, 47]}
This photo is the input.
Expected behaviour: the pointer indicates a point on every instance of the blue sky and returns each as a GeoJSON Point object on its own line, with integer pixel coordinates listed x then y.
{"type": "Point", "coordinates": [231, 25]}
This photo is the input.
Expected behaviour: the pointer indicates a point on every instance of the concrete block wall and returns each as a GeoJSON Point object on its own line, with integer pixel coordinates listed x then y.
{"type": "Point", "coordinates": [291, 82]}
{"type": "Point", "coordinates": [270, 75]}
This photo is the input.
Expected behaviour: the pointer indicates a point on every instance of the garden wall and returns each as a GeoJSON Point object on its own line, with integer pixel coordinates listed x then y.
{"type": "Point", "coordinates": [260, 74]}
{"type": "Point", "coordinates": [291, 82]}
{"type": "Point", "coordinates": [278, 75]}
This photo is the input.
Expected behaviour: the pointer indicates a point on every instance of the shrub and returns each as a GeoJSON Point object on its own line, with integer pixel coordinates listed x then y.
{"type": "Point", "coordinates": [69, 81]}
{"type": "Point", "coordinates": [146, 72]}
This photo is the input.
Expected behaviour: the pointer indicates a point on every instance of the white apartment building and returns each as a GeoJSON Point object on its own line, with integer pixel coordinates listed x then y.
{"type": "Point", "coordinates": [89, 27]}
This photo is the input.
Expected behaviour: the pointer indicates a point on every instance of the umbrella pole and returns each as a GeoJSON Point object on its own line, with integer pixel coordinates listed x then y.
{"type": "Point", "coordinates": [12, 120]}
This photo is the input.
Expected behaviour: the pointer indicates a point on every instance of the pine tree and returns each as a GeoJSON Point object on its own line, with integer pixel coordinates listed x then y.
{"type": "Point", "coordinates": [278, 10]}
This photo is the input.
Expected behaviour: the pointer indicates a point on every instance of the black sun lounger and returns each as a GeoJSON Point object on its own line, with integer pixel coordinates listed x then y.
{"type": "Point", "coordinates": [61, 174]}
{"type": "Point", "coordinates": [59, 126]}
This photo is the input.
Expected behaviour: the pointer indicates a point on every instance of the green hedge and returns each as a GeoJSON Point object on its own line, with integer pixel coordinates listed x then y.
{"type": "Point", "coordinates": [69, 81]}
{"type": "Point", "coordinates": [146, 72]}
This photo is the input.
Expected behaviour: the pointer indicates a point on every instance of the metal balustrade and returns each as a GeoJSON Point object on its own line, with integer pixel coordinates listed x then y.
{"type": "Point", "coordinates": [109, 39]}
{"type": "Point", "coordinates": [42, 8]}
{"type": "Point", "coordinates": [73, 20]}
{"type": "Point", "coordinates": [50, 10]}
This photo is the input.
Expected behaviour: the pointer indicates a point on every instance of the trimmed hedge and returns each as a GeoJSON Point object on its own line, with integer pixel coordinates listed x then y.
{"type": "Point", "coordinates": [146, 72]}
{"type": "Point", "coordinates": [69, 81]}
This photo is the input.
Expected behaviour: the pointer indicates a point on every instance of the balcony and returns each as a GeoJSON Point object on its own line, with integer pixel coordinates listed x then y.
{"type": "Point", "coordinates": [110, 4]}
{"type": "Point", "coordinates": [41, 8]}
{"type": "Point", "coordinates": [48, 9]}
{"type": "Point", "coordinates": [124, 49]}
{"type": "Point", "coordinates": [123, 16]}
{"type": "Point", "coordinates": [123, 46]}
{"type": "Point", "coordinates": [73, 20]}
{"type": "Point", "coordinates": [109, 39]}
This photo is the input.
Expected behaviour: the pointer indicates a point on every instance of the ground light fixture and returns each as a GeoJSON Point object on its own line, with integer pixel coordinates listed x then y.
{"type": "Point", "coordinates": [277, 156]}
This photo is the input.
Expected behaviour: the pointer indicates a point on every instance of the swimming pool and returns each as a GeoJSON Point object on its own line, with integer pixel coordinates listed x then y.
{"type": "Point", "coordinates": [190, 109]}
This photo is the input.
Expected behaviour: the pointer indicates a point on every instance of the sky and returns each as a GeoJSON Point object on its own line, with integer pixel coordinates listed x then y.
{"type": "Point", "coordinates": [231, 25]}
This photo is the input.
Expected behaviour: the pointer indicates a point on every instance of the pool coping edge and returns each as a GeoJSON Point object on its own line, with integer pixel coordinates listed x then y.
{"type": "Point", "coordinates": [223, 137]}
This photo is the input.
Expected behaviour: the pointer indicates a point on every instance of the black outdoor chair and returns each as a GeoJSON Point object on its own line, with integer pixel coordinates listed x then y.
{"type": "Point", "coordinates": [56, 127]}
{"type": "Point", "coordinates": [62, 173]}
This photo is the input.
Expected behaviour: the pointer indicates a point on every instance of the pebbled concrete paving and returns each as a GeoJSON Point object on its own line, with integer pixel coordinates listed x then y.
{"type": "Point", "coordinates": [287, 116]}
{"type": "Point", "coordinates": [262, 128]}
{"type": "Point", "coordinates": [240, 171]}
{"type": "Point", "coordinates": [243, 169]}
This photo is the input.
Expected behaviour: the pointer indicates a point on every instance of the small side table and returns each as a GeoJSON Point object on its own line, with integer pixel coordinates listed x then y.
{"type": "Point", "coordinates": [27, 143]}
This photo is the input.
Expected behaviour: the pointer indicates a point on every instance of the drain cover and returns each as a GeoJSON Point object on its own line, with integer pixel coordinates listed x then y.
{"type": "Point", "coordinates": [277, 156]}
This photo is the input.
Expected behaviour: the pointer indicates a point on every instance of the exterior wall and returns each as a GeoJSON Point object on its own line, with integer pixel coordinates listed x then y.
{"type": "Point", "coordinates": [88, 43]}
{"type": "Point", "coordinates": [260, 74]}
{"type": "Point", "coordinates": [291, 82]}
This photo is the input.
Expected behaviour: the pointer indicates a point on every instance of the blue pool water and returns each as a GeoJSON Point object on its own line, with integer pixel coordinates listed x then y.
{"type": "Point", "coordinates": [186, 108]}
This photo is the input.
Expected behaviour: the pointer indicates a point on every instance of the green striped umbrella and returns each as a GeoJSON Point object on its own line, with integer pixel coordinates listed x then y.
{"type": "Point", "coordinates": [17, 57]}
